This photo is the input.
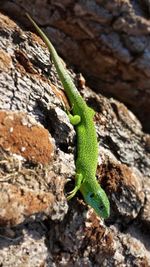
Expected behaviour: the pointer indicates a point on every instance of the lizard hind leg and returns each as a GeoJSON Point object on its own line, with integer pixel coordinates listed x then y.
{"type": "Point", "coordinates": [78, 182]}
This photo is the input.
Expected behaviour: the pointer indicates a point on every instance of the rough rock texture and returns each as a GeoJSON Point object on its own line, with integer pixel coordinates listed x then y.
{"type": "Point", "coordinates": [108, 41]}
{"type": "Point", "coordinates": [40, 231]}
{"type": "Point", "coordinates": [17, 135]}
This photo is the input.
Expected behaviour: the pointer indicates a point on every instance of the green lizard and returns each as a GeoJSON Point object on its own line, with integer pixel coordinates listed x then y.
{"type": "Point", "coordinates": [87, 145]}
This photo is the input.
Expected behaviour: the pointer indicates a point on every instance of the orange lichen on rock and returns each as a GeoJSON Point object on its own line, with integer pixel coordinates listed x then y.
{"type": "Point", "coordinates": [21, 134]}
{"type": "Point", "coordinates": [61, 95]}
{"type": "Point", "coordinates": [123, 183]}
{"type": "Point", "coordinates": [17, 203]}
{"type": "Point", "coordinates": [7, 23]}
{"type": "Point", "coordinates": [99, 238]}
{"type": "Point", "coordinates": [5, 61]}
{"type": "Point", "coordinates": [114, 176]}
{"type": "Point", "coordinates": [23, 62]}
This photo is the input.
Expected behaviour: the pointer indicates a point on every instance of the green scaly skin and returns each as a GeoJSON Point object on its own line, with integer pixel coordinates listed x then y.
{"type": "Point", "coordinates": [87, 145]}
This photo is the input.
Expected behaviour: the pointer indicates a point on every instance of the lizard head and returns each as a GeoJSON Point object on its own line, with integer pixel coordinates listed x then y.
{"type": "Point", "coordinates": [98, 200]}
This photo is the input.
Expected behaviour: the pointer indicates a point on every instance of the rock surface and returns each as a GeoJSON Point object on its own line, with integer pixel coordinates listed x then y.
{"type": "Point", "coordinates": [37, 226]}
{"type": "Point", "coordinates": [108, 41]}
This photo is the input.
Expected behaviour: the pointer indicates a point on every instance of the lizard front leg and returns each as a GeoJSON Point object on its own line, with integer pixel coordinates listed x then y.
{"type": "Point", "coordinates": [78, 182]}
{"type": "Point", "coordinates": [74, 119]}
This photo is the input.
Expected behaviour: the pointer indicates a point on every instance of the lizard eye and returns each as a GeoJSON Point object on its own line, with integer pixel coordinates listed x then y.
{"type": "Point", "coordinates": [92, 195]}
{"type": "Point", "coordinates": [101, 207]}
